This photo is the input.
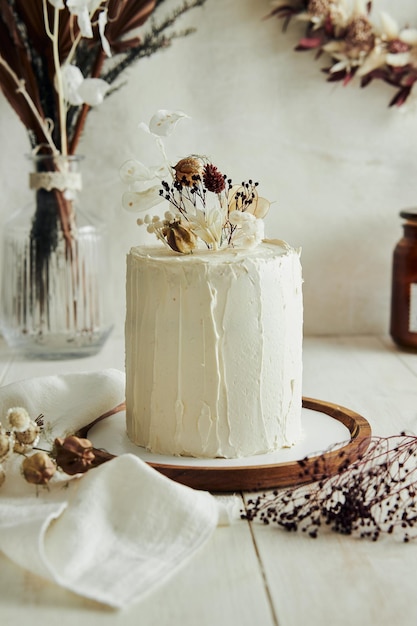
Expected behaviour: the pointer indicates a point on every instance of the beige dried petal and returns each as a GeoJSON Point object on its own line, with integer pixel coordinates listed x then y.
{"type": "Point", "coordinates": [22, 448]}
{"type": "Point", "coordinates": [2, 475]}
{"type": "Point", "coordinates": [259, 208]}
{"type": "Point", "coordinates": [6, 445]}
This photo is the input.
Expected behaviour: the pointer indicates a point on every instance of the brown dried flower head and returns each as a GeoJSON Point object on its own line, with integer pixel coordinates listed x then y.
{"type": "Point", "coordinates": [39, 468]}
{"type": "Point", "coordinates": [213, 179]}
{"type": "Point", "coordinates": [318, 7]}
{"type": "Point", "coordinates": [188, 171]}
{"type": "Point", "coordinates": [360, 37]}
{"type": "Point", "coordinates": [74, 455]}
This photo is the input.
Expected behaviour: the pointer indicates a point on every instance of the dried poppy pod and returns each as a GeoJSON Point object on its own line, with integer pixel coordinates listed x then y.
{"type": "Point", "coordinates": [74, 455]}
{"type": "Point", "coordinates": [39, 468]}
{"type": "Point", "coordinates": [180, 237]}
{"type": "Point", "coordinates": [188, 170]}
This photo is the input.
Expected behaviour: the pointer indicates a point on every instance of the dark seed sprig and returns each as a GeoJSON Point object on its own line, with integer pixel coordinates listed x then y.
{"type": "Point", "coordinates": [367, 497]}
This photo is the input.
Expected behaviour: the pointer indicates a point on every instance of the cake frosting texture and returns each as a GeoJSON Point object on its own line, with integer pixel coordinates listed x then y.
{"type": "Point", "coordinates": [214, 350]}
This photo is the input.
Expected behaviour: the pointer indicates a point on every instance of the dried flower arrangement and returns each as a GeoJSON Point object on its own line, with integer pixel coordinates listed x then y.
{"type": "Point", "coordinates": [343, 29]}
{"type": "Point", "coordinates": [57, 60]}
{"type": "Point", "coordinates": [20, 436]}
{"type": "Point", "coordinates": [205, 208]}
{"type": "Point", "coordinates": [373, 495]}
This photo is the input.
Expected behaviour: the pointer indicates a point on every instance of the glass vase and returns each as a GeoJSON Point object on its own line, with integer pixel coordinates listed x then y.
{"type": "Point", "coordinates": [54, 298]}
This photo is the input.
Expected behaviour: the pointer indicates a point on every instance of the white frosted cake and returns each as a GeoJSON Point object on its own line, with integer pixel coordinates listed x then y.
{"type": "Point", "coordinates": [214, 350]}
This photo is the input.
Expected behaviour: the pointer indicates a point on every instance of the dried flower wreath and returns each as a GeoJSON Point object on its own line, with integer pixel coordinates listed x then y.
{"type": "Point", "coordinates": [343, 29]}
{"type": "Point", "coordinates": [373, 495]}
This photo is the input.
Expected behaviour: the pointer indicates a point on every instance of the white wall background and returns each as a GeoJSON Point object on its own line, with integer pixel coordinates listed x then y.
{"type": "Point", "coordinates": [337, 162]}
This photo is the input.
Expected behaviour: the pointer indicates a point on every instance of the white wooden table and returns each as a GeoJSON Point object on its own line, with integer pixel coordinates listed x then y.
{"type": "Point", "coordinates": [250, 574]}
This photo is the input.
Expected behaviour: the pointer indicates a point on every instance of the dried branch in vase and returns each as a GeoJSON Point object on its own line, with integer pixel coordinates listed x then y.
{"type": "Point", "coordinates": [57, 60]}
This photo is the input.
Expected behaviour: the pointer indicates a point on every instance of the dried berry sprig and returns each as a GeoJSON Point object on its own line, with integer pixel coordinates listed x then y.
{"type": "Point", "coordinates": [372, 495]}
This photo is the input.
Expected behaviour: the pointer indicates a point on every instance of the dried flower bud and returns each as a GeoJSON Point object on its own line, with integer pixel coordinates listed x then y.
{"type": "Point", "coordinates": [213, 178]}
{"type": "Point", "coordinates": [26, 439]}
{"type": "Point", "coordinates": [74, 455]}
{"type": "Point", "coordinates": [180, 237]}
{"type": "Point", "coordinates": [39, 468]}
{"type": "Point", "coordinates": [19, 418]}
{"type": "Point", "coordinates": [6, 444]}
{"type": "Point", "coordinates": [188, 170]}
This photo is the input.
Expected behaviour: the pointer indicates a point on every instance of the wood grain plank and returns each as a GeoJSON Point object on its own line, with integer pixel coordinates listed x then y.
{"type": "Point", "coordinates": [362, 374]}
{"type": "Point", "coordinates": [335, 579]}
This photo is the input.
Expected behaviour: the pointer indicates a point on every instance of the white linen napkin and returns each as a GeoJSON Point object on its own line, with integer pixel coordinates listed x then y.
{"type": "Point", "coordinates": [115, 533]}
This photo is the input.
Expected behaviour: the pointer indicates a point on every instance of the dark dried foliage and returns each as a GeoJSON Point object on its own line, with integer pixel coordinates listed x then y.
{"type": "Point", "coordinates": [370, 496]}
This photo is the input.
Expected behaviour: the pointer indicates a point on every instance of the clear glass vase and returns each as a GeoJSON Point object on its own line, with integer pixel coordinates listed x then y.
{"type": "Point", "coordinates": [54, 289]}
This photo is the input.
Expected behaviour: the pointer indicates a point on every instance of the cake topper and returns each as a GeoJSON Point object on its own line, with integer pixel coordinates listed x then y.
{"type": "Point", "coordinates": [205, 208]}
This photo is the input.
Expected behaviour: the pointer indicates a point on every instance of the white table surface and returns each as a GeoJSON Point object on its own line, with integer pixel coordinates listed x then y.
{"type": "Point", "coordinates": [250, 574]}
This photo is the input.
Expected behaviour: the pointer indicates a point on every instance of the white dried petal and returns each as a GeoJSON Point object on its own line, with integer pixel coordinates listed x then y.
{"type": "Point", "coordinates": [138, 201]}
{"type": "Point", "coordinates": [72, 79]}
{"type": "Point", "coordinates": [134, 171]}
{"type": "Point", "coordinates": [102, 23]}
{"type": "Point", "coordinates": [398, 60]}
{"type": "Point", "coordinates": [93, 90]}
{"type": "Point", "coordinates": [18, 418]}
{"type": "Point", "coordinates": [164, 122]}
{"type": "Point", "coordinates": [57, 4]}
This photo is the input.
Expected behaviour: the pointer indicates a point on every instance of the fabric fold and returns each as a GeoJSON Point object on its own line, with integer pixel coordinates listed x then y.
{"type": "Point", "coordinates": [113, 534]}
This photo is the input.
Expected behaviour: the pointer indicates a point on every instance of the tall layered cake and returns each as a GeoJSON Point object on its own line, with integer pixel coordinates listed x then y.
{"type": "Point", "coordinates": [214, 315]}
{"type": "Point", "coordinates": [213, 350]}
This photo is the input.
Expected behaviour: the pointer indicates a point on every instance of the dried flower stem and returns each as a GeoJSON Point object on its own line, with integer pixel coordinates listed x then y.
{"type": "Point", "coordinates": [20, 88]}
{"type": "Point", "coordinates": [60, 87]}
